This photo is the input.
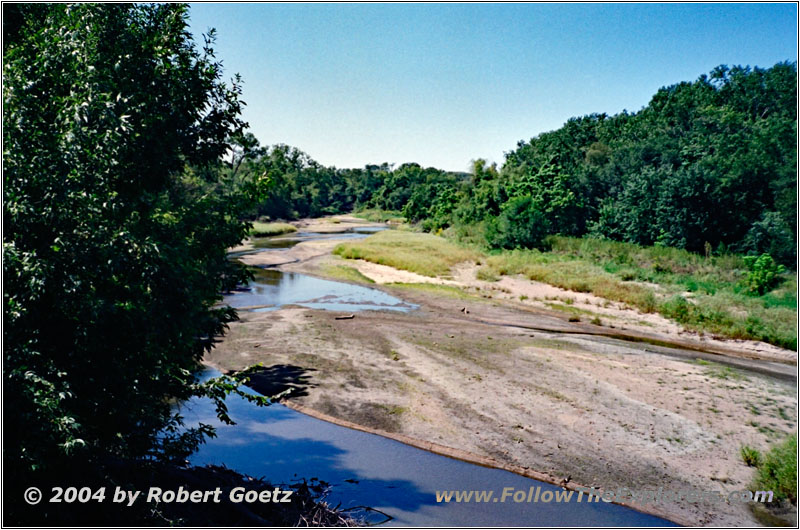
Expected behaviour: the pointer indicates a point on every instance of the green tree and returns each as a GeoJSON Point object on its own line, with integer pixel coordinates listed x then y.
{"type": "Point", "coordinates": [522, 224]}
{"type": "Point", "coordinates": [117, 218]}
{"type": "Point", "coordinates": [764, 273]}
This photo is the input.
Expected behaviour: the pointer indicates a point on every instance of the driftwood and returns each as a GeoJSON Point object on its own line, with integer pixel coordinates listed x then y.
{"type": "Point", "coordinates": [347, 317]}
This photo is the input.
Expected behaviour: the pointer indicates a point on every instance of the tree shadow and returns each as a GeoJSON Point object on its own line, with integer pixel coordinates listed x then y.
{"type": "Point", "coordinates": [272, 380]}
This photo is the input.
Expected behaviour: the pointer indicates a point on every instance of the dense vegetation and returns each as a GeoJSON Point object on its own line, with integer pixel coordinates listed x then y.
{"type": "Point", "coordinates": [301, 187]}
{"type": "Point", "coordinates": [707, 166]}
{"type": "Point", "coordinates": [708, 294]}
{"type": "Point", "coordinates": [778, 470]}
{"type": "Point", "coordinates": [117, 216]}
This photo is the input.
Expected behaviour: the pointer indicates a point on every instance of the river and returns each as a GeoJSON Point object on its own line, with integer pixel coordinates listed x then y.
{"type": "Point", "coordinates": [285, 446]}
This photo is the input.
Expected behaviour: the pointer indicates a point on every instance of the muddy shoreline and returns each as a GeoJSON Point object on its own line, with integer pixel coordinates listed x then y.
{"type": "Point", "coordinates": [526, 390]}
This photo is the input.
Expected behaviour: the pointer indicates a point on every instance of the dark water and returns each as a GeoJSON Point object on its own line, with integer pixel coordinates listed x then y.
{"type": "Point", "coordinates": [363, 469]}
{"type": "Point", "coordinates": [272, 289]}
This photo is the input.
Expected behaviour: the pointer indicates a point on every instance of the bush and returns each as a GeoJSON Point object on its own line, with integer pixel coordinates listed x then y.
{"type": "Point", "coordinates": [778, 472]}
{"type": "Point", "coordinates": [751, 457]}
{"type": "Point", "coordinates": [676, 308]}
{"type": "Point", "coordinates": [520, 225]}
{"type": "Point", "coordinates": [764, 273]}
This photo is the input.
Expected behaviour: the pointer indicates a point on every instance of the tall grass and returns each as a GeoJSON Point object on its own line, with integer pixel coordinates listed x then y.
{"type": "Point", "coordinates": [702, 293]}
{"type": "Point", "coordinates": [343, 272]}
{"type": "Point", "coordinates": [271, 229]}
{"type": "Point", "coordinates": [381, 216]}
{"type": "Point", "coordinates": [777, 471]}
{"type": "Point", "coordinates": [424, 254]}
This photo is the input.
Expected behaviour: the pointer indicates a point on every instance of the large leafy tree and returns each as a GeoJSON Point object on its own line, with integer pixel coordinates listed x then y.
{"type": "Point", "coordinates": [703, 163]}
{"type": "Point", "coordinates": [117, 217]}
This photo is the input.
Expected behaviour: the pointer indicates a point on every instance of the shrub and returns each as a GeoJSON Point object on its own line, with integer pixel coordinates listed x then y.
{"type": "Point", "coordinates": [676, 308]}
{"type": "Point", "coordinates": [764, 273]}
{"type": "Point", "coordinates": [751, 456]}
{"type": "Point", "coordinates": [778, 472]}
{"type": "Point", "coordinates": [520, 225]}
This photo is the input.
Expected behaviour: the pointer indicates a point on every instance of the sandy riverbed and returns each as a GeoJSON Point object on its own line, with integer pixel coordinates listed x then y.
{"type": "Point", "coordinates": [520, 384]}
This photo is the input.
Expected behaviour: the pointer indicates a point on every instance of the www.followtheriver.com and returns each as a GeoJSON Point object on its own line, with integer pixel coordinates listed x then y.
{"type": "Point", "coordinates": [623, 495]}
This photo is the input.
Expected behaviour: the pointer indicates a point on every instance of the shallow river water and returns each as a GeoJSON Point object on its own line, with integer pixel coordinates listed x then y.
{"type": "Point", "coordinates": [285, 446]}
{"type": "Point", "coordinates": [273, 289]}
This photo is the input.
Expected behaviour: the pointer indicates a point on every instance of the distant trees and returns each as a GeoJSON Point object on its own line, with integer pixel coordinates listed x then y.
{"type": "Point", "coordinates": [301, 187]}
{"type": "Point", "coordinates": [710, 163]}
{"type": "Point", "coordinates": [705, 161]}
{"type": "Point", "coordinates": [117, 218]}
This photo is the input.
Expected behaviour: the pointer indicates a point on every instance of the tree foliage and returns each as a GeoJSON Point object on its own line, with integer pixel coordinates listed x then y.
{"type": "Point", "coordinates": [764, 273]}
{"type": "Point", "coordinates": [117, 218]}
{"type": "Point", "coordinates": [706, 164]}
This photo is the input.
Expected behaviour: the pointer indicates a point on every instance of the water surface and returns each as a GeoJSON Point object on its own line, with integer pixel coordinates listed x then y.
{"type": "Point", "coordinates": [364, 469]}
{"type": "Point", "coordinates": [287, 241]}
{"type": "Point", "coordinates": [273, 289]}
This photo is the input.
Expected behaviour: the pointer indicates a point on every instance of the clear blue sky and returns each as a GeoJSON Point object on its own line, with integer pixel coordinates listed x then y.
{"type": "Point", "coordinates": [441, 84]}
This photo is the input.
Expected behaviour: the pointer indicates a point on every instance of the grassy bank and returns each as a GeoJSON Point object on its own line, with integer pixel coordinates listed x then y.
{"type": "Point", "coordinates": [381, 216]}
{"type": "Point", "coordinates": [343, 272]}
{"type": "Point", "coordinates": [436, 289]}
{"type": "Point", "coordinates": [424, 254]}
{"type": "Point", "coordinates": [271, 229]}
{"type": "Point", "coordinates": [706, 294]}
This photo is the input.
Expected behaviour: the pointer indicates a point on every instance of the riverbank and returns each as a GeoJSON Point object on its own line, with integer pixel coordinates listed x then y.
{"type": "Point", "coordinates": [523, 385]}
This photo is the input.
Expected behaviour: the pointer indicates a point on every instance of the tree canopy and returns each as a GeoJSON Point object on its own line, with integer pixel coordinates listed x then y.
{"type": "Point", "coordinates": [706, 163]}
{"type": "Point", "coordinates": [117, 216]}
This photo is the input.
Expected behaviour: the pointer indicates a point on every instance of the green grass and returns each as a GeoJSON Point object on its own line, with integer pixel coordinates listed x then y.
{"type": "Point", "coordinates": [271, 229]}
{"type": "Point", "coordinates": [343, 272]}
{"type": "Point", "coordinates": [751, 457]}
{"type": "Point", "coordinates": [778, 471]}
{"type": "Point", "coordinates": [434, 288]}
{"type": "Point", "coordinates": [657, 280]}
{"type": "Point", "coordinates": [719, 371]}
{"type": "Point", "coordinates": [421, 253]}
{"type": "Point", "coordinates": [381, 216]}
{"type": "Point", "coordinates": [393, 409]}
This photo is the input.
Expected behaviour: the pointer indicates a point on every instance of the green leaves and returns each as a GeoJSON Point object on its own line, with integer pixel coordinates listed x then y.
{"type": "Point", "coordinates": [522, 224]}
{"type": "Point", "coordinates": [117, 218]}
{"type": "Point", "coordinates": [764, 273]}
{"type": "Point", "coordinates": [777, 471]}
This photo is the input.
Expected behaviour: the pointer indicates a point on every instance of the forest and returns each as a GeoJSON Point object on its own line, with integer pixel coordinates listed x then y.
{"type": "Point", "coordinates": [708, 166]}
